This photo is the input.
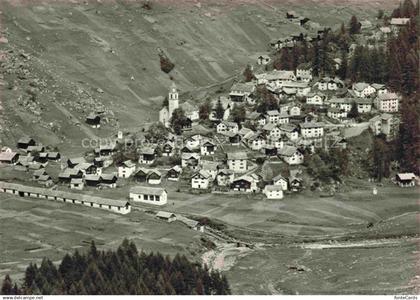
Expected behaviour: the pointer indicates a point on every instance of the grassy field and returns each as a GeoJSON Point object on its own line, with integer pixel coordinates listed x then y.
{"type": "Point", "coordinates": [31, 229]}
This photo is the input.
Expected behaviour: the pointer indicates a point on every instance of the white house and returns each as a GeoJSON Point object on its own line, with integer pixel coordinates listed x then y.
{"type": "Point", "coordinates": [312, 129]}
{"type": "Point", "coordinates": [190, 160]}
{"type": "Point", "coordinates": [126, 169]}
{"type": "Point", "coordinates": [241, 92]}
{"type": "Point", "coordinates": [77, 184]}
{"type": "Point", "coordinates": [294, 111]}
{"type": "Point", "coordinates": [154, 177]}
{"type": "Point", "coordinates": [316, 98]}
{"type": "Point", "coordinates": [237, 161]}
{"type": "Point", "coordinates": [336, 113]}
{"type": "Point", "coordinates": [226, 126]}
{"type": "Point", "coordinates": [387, 102]}
{"type": "Point", "coordinates": [207, 147]}
{"type": "Point", "coordinates": [256, 141]}
{"type": "Point", "coordinates": [290, 130]}
{"type": "Point", "coordinates": [280, 181]}
{"type": "Point", "coordinates": [363, 89]}
{"type": "Point", "coordinates": [304, 70]}
{"type": "Point", "coordinates": [201, 180]}
{"type": "Point", "coordinates": [210, 167]}
{"type": "Point", "coordinates": [149, 195]}
{"type": "Point", "coordinates": [406, 179]}
{"type": "Point", "coordinates": [291, 155]}
{"type": "Point", "coordinates": [273, 192]}
{"type": "Point", "coordinates": [329, 84]}
{"type": "Point", "coordinates": [225, 177]}
{"type": "Point", "coordinates": [272, 131]}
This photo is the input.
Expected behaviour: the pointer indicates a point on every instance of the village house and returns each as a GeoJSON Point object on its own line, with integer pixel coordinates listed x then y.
{"type": "Point", "coordinates": [149, 195]}
{"type": "Point", "coordinates": [304, 71]}
{"type": "Point", "coordinates": [281, 181]}
{"type": "Point", "coordinates": [105, 150]}
{"type": "Point", "coordinates": [35, 149]}
{"type": "Point", "coordinates": [147, 156]}
{"type": "Point", "coordinates": [386, 124]}
{"type": "Point", "coordinates": [92, 180]}
{"type": "Point", "coordinates": [365, 25]}
{"type": "Point", "coordinates": [299, 89]}
{"type": "Point", "coordinates": [294, 111]}
{"type": "Point", "coordinates": [246, 183]}
{"type": "Point", "coordinates": [241, 92]}
{"type": "Point", "coordinates": [109, 180]}
{"type": "Point", "coordinates": [387, 102]}
{"type": "Point", "coordinates": [10, 158]}
{"type": "Point", "coordinates": [45, 180]}
{"type": "Point", "coordinates": [210, 167]}
{"type": "Point", "coordinates": [233, 138]}
{"type": "Point", "coordinates": [154, 177]}
{"type": "Point", "coordinates": [38, 173]}
{"type": "Point", "coordinates": [256, 141]}
{"type": "Point", "coordinates": [226, 126]}
{"type": "Point", "coordinates": [141, 174]}
{"type": "Point", "coordinates": [191, 111]}
{"type": "Point", "coordinates": [291, 131]}
{"type": "Point", "coordinates": [336, 113]}
{"type": "Point", "coordinates": [312, 130]}
{"type": "Point", "coordinates": [273, 192]}
{"type": "Point", "coordinates": [315, 98]}
{"type": "Point", "coordinates": [126, 169]}
{"type": "Point", "coordinates": [93, 120]}
{"type": "Point", "coordinates": [345, 104]}
{"type": "Point", "coordinates": [363, 89]}
{"type": "Point", "coordinates": [225, 177]}
{"type": "Point", "coordinates": [174, 173]}
{"type": "Point", "coordinates": [208, 147]}
{"type": "Point", "coordinates": [398, 23]}
{"type": "Point", "coordinates": [168, 149]}
{"type": "Point", "coordinates": [192, 142]}
{"type": "Point", "coordinates": [73, 162]}
{"type": "Point", "coordinates": [68, 174]}
{"type": "Point", "coordinates": [380, 88]}
{"type": "Point", "coordinates": [201, 180]}
{"type": "Point", "coordinates": [276, 78]}
{"type": "Point", "coordinates": [166, 216]}
{"type": "Point", "coordinates": [291, 155]}
{"type": "Point", "coordinates": [329, 84]}
{"type": "Point", "coordinates": [88, 168]}
{"type": "Point", "coordinates": [54, 156]}
{"type": "Point", "coordinates": [77, 184]}
{"type": "Point", "coordinates": [25, 142]}
{"type": "Point", "coordinates": [406, 179]}
{"type": "Point", "coordinates": [190, 160]}
{"type": "Point", "coordinates": [272, 131]}
{"type": "Point", "coordinates": [237, 161]}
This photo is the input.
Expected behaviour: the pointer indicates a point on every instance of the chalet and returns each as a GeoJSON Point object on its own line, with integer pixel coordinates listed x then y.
{"type": "Point", "coordinates": [256, 118]}
{"type": "Point", "coordinates": [168, 149]}
{"type": "Point", "coordinates": [45, 180]}
{"type": "Point", "coordinates": [290, 130]}
{"type": "Point", "coordinates": [113, 205]}
{"type": "Point", "coordinates": [53, 156]}
{"type": "Point", "coordinates": [387, 102]}
{"type": "Point", "coordinates": [109, 180]}
{"type": "Point", "coordinates": [10, 158]}
{"type": "Point", "coordinates": [36, 149]}
{"type": "Point", "coordinates": [77, 184]}
{"type": "Point", "coordinates": [256, 141]}
{"type": "Point", "coordinates": [154, 177]}
{"type": "Point", "coordinates": [174, 173]}
{"type": "Point", "coordinates": [149, 195]}
{"type": "Point", "coordinates": [312, 129]}
{"type": "Point", "coordinates": [406, 179]}
{"type": "Point", "coordinates": [272, 131]}
{"type": "Point", "coordinates": [276, 77]}
{"type": "Point", "coordinates": [187, 149]}
{"type": "Point", "coordinates": [237, 161]}
{"type": "Point", "coordinates": [88, 168]}
{"type": "Point", "coordinates": [291, 155]}
{"type": "Point", "coordinates": [336, 113]}
{"type": "Point", "coordinates": [279, 180]}
{"type": "Point", "coordinates": [295, 183]}
{"type": "Point", "coordinates": [68, 174]}
{"type": "Point", "coordinates": [24, 162]}
{"type": "Point", "coordinates": [272, 116]}
{"type": "Point", "coordinates": [92, 180]}
{"type": "Point", "coordinates": [226, 126]}
{"type": "Point", "coordinates": [191, 111]}
{"type": "Point", "coordinates": [246, 183]}
{"type": "Point", "coordinates": [166, 216]}
{"type": "Point", "coordinates": [208, 147]}
{"type": "Point", "coordinates": [363, 90]}
{"type": "Point", "coordinates": [329, 84]}
{"type": "Point", "coordinates": [38, 173]}
{"type": "Point", "coordinates": [93, 120]}
{"type": "Point", "coordinates": [201, 180]}
{"type": "Point", "coordinates": [210, 167]}
{"type": "Point", "coordinates": [273, 192]}
{"type": "Point", "coordinates": [140, 174]}
{"type": "Point", "coordinates": [25, 142]}
{"type": "Point", "coordinates": [316, 98]}
{"type": "Point", "coordinates": [190, 160]}
{"type": "Point", "coordinates": [147, 156]}
{"type": "Point", "coordinates": [294, 111]}
{"type": "Point", "coordinates": [241, 92]}
{"type": "Point", "coordinates": [225, 177]}
{"type": "Point", "coordinates": [105, 150]}
{"type": "Point", "coordinates": [233, 138]}
{"type": "Point", "coordinates": [126, 169]}
{"type": "Point", "coordinates": [73, 162]}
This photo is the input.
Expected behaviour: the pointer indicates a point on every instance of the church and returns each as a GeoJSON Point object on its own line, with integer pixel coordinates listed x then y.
{"type": "Point", "coordinates": [191, 110]}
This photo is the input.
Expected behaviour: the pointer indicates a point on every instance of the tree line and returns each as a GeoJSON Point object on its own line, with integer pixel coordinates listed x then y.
{"type": "Point", "coordinates": [125, 271]}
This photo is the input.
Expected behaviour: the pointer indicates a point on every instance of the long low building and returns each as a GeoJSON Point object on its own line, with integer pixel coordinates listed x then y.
{"type": "Point", "coordinates": [113, 205]}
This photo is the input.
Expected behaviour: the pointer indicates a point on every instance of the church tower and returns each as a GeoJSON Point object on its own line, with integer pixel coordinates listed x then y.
{"type": "Point", "coordinates": [173, 99]}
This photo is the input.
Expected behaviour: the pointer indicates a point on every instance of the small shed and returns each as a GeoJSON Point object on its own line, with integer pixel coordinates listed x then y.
{"type": "Point", "coordinates": [406, 179]}
{"type": "Point", "coordinates": [166, 216]}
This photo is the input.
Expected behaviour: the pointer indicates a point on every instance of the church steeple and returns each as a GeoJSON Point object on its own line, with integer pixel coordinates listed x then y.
{"type": "Point", "coordinates": [173, 99]}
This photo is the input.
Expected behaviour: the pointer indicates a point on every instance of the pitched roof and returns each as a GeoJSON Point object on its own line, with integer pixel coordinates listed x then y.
{"type": "Point", "coordinates": [406, 176]}
{"type": "Point", "coordinates": [7, 156]}
{"type": "Point", "coordinates": [287, 150]}
{"type": "Point", "coordinates": [388, 96]}
{"type": "Point", "coordinates": [237, 155]}
{"type": "Point", "coordinates": [399, 21]}
{"type": "Point", "coordinates": [272, 188]}
{"type": "Point", "coordinates": [311, 124]}
{"type": "Point", "coordinates": [140, 189]}
{"type": "Point", "coordinates": [165, 214]}
{"type": "Point", "coordinates": [243, 87]}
